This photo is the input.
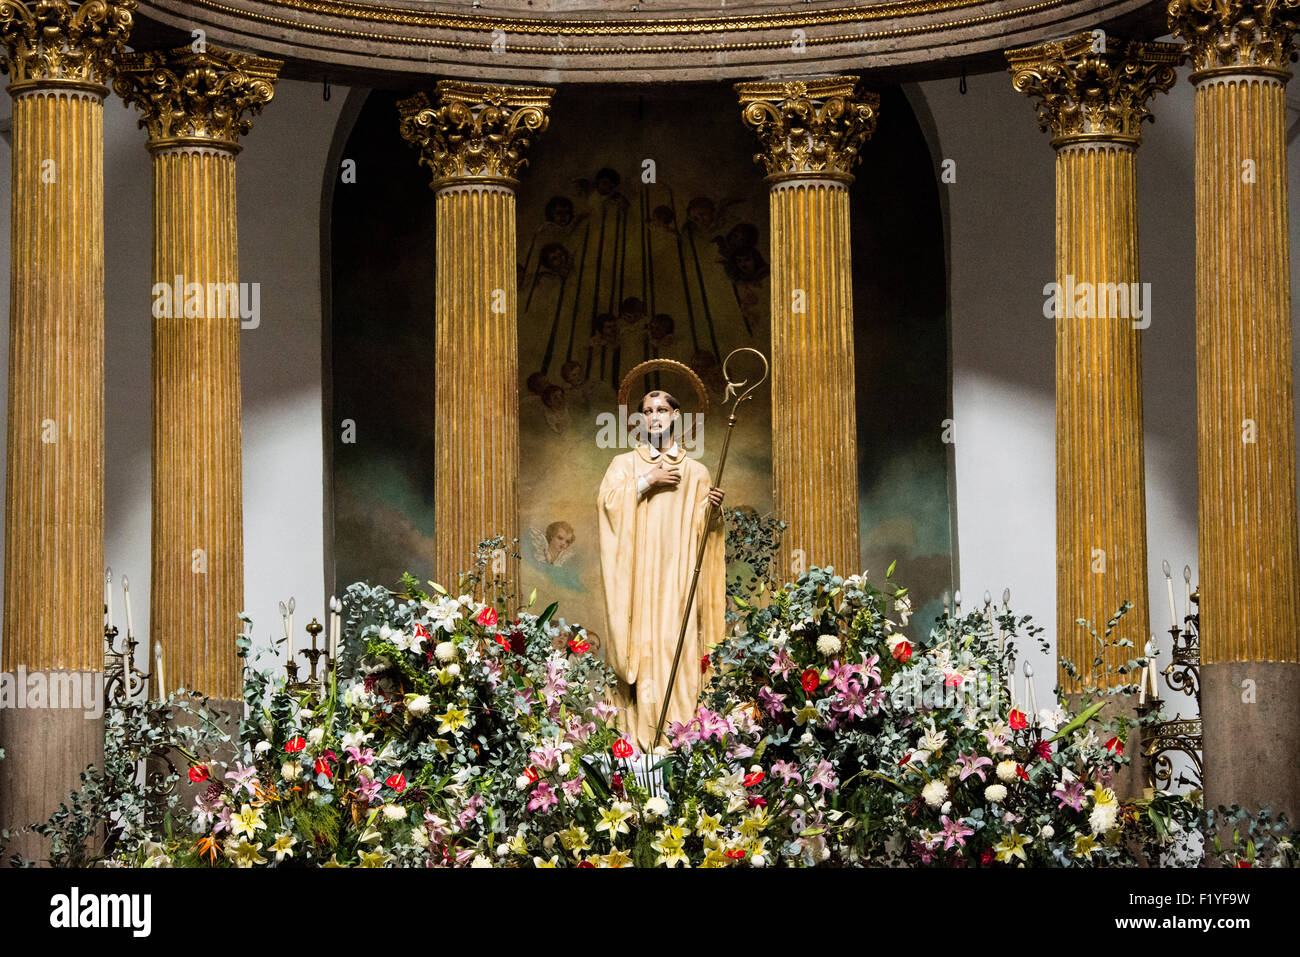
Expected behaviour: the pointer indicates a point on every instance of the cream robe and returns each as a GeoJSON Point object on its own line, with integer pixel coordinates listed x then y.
{"type": "Point", "coordinates": [648, 548]}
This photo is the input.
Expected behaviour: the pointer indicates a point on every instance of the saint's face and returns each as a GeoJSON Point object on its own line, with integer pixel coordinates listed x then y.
{"type": "Point", "coordinates": [659, 416]}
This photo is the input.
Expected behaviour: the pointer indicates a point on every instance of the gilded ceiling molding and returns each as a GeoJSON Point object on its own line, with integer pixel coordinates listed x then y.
{"type": "Point", "coordinates": [60, 42]}
{"type": "Point", "coordinates": [1094, 87]}
{"type": "Point", "coordinates": [510, 45]}
{"type": "Point", "coordinates": [474, 132]}
{"type": "Point", "coordinates": [809, 129]}
{"type": "Point", "coordinates": [1237, 36]}
{"type": "Point", "coordinates": [189, 98]}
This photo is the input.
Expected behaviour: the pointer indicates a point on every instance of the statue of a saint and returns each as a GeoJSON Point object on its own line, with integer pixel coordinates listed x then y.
{"type": "Point", "coordinates": [654, 506]}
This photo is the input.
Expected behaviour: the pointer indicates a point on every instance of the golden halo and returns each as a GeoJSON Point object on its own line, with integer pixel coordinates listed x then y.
{"type": "Point", "coordinates": [665, 365]}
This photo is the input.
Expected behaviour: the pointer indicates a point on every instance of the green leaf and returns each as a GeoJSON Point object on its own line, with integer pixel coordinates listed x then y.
{"type": "Point", "coordinates": [1080, 720]}
{"type": "Point", "coordinates": [546, 615]}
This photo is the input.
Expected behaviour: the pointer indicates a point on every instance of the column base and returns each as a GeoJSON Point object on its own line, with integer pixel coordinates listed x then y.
{"type": "Point", "coordinates": [1250, 725]}
{"type": "Point", "coordinates": [49, 736]}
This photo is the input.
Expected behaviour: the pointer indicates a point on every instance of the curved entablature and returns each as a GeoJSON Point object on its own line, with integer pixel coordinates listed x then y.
{"type": "Point", "coordinates": [554, 41]}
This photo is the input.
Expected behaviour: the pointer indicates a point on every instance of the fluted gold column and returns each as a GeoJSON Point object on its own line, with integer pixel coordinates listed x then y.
{"type": "Point", "coordinates": [1092, 97]}
{"type": "Point", "coordinates": [1249, 559]}
{"type": "Point", "coordinates": [473, 138]}
{"type": "Point", "coordinates": [194, 107]}
{"type": "Point", "coordinates": [58, 56]}
{"type": "Point", "coordinates": [810, 132]}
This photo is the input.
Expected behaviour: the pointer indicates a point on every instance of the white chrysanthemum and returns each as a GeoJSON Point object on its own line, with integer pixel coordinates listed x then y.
{"type": "Point", "coordinates": [1006, 771]}
{"type": "Point", "coordinates": [315, 735]}
{"type": "Point", "coordinates": [828, 644]}
{"type": "Point", "coordinates": [394, 812]}
{"type": "Point", "coordinates": [418, 705]}
{"type": "Point", "coordinates": [656, 807]}
{"type": "Point", "coordinates": [262, 747]}
{"type": "Point", "coordinates": [1103, 818]}
{"type": "Point", "coordinates": [995, 794]}
{"type": "Point", "coordinates": [453, 669]}
{"type": "Point", "coordinates": [291, 771]}
{"type": "Point", "coordinates": [305, 715]}
{"type": "Point", "coordinates": [445, 651]}
{"type": "Point", "coordinates": [935, 793]}
{"type": "Point", "coordinates": [480, 861]}
{"type": "Point", "coordinates": [1048, 832]}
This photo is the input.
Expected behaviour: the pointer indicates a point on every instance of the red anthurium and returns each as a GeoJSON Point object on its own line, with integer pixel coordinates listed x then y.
{"type": "Point", "coordinates": [1244, 864]}
{"type": "Point", "coordinates": [579, 647]}
{"type": "Point", "coordinates": [295, 744]}
{"type": "Point", "coordinates": [736, 854]}
{"type": "Point", "coordinates": [902, 652]}
{"type": "Point", "coordinates": [502, 640]}
{"type": "Point", "coordinates": [397, 782]}
{"type": "Point", "coordinates": [1020, 772]}
{"type": "Point", "coordinates": [586, 864]}
{"type": "Point", "coordinates": [199, 773]}
{"type": "Point", "coordinates": [323, 767]}
{"type": "Point", "coordinates": [622, 749]}
{"type": "Point", "coordinates": [755, 778]}
{"type": "Point", "coordinates": [1017, 720]}
{"type": "Point", "coordinates": [810, 680]}
{"type": "Point", "coordinates": [487, 617]}
{"type": "Point", "coordinates": [1114, 744]}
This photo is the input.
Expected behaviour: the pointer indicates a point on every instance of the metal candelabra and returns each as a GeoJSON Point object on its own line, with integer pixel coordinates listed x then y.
{"type": "Point", "coordinates": [123, 681]}
{"type": "Point", "coordinates": [1178, 735]}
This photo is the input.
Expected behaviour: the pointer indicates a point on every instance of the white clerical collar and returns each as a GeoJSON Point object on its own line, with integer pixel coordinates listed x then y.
{"type": "Point", "coordinates": [672, 451]}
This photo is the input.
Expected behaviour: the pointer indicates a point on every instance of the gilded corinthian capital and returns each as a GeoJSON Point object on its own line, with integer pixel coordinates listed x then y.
{"type": "Point", "coordinates": [1237, 36]}
{"type": "Point", "coordinates": [1090, 88]}
{"type": "Point", "coordinates": [188, 98]}
{"type": "Point", "coordinates": [58, 41]}
{"type": "Point", "coordinates": [809, 129]}
{"type": "Point", "coordinates": [473, 132]}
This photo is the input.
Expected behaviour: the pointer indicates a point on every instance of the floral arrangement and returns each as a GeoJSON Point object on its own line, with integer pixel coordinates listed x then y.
{"type": "Point", "coordinates": [828, 735]}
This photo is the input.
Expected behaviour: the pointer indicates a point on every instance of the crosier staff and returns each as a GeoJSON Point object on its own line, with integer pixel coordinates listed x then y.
{"type": "Point", "coordinates": [733, 390]}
